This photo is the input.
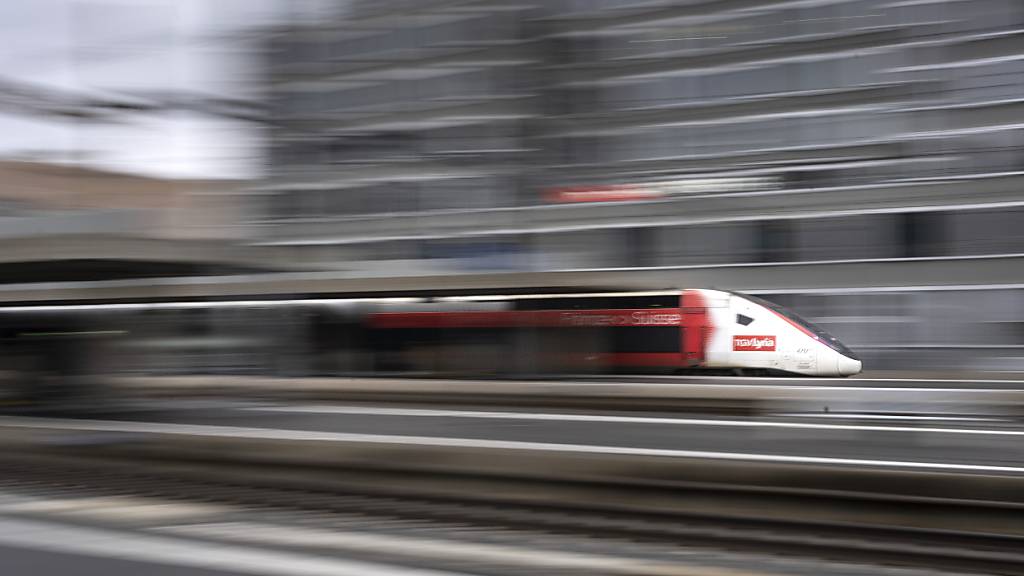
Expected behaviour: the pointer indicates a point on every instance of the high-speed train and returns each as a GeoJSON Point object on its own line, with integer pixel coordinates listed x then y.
{"type": "Point", "coordinates": [672, 331]}
{"type": "Point", "coordinates": [687, 331]}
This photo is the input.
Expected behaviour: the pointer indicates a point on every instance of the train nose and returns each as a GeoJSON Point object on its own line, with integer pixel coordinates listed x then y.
{"type": "Point", "coordinates": [847, 366]}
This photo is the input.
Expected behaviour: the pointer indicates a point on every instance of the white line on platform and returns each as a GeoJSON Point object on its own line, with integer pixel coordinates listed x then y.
{"type": "Point", "coordinates": [740, 381]}
{"type": "Point", "coordinates": [544, 561]}
{"type": "Point", "coordinates": [873, 416]}
{"type": "Point", "coordinates": [793, 388]}
{"type": "Point", "coordinates": [240, 433]}
{"type": "Point", "coordinates": [729, 383]}
{"type": "Point", "coordinates": [80, 540]}
{"type": "Point", "coordinates": [431, 413]}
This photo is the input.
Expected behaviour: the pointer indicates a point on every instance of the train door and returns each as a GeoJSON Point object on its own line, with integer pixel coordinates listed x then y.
{"type": "Point", "coordinates": [698, 310]}
{"type": "Point", "coordinates": [695, 329]}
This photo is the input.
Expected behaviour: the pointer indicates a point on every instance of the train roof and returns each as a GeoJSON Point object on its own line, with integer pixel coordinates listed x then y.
{"type": "Point", "coordinates": [264, 302]}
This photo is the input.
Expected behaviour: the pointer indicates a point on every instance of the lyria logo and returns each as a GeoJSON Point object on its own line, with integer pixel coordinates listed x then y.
{"type": "Point", "coordinates": [753, 343]}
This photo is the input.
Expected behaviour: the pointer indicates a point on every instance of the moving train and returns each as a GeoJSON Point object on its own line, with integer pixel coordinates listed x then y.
{"type": "Point", "coordinates": [688, 331]}
{"type": "Point", "coordinates": [59, 348]}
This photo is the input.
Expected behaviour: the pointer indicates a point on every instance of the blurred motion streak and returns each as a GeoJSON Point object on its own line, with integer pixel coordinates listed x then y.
{"type": "Point", "coordinates": [386, 138]}
{"type": "Point", "coordinates": [521, 250]}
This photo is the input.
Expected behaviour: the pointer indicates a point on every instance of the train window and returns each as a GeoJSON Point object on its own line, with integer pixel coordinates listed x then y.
{"type": "Point", "coordinates": [744, 320]}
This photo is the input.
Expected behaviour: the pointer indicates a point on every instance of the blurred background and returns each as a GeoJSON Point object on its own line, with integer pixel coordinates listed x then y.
{"type": "Point", "coordinates": [859, 161]}
{"type": "Point", "coordinates": [223, 195]}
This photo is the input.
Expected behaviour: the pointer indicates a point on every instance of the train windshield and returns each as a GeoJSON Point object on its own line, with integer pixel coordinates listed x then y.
{"type": "Point", "coordinates": [823, 336]}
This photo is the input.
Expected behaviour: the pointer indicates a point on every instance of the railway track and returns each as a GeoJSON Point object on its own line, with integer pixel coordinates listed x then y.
{"type": "Point", "coordinates": [689, 394]}
{"type": "Point", "coordinates": [449, 522]}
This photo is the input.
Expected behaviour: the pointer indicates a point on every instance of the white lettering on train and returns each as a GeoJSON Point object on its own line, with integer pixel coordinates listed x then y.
{"type": "Point", "coordinates": [622, 319]}
{"type": "Point", "coordinates": [753, 343]}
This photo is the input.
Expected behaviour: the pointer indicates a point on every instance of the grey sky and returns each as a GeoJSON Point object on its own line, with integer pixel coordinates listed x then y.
{"type": "Point", "coordinates": [135, 45]}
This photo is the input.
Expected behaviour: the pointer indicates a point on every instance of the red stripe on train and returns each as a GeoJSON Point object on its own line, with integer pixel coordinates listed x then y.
{"type": "Point", "coordinates": [670, 359]}
{"type": "Point", "coordinates": [796, 325]}
{"type": "Point", "coordinates": [608, 359]}
{"type": "Point", "coordinates": [697, 328]}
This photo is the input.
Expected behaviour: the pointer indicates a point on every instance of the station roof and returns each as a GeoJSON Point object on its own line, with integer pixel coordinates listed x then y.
{"type": "Point", "coordinates": [91, 257]}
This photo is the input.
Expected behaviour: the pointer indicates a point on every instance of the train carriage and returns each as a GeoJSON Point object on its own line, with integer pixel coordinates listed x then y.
{"type": "Point", "coordinates": [696, 331]}
{"type": "Point", "coordinates": [54, 350]}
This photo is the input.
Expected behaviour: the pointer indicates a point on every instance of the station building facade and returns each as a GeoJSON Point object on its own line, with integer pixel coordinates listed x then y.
{"type": "Point", "coordinates": [428, 136]}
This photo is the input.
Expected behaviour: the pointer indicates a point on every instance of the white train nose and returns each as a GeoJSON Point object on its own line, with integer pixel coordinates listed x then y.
{"type": "Point", "coordinates": [847, 366]}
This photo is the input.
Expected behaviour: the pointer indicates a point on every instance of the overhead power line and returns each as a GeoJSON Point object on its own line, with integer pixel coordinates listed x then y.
{"type": "Point", "coordinates": [23, 98]}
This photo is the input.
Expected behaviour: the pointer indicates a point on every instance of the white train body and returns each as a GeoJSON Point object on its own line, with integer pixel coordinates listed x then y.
{"type": "Point", "coordinates": [750, 334]}
{"type": "Point", "coordinates": [690, 331]}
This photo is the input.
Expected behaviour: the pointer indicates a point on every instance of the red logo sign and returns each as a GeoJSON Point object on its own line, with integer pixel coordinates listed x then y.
{"type": "Point", "coordinates": [610, 193]}
{"type": "Point", "coordinates": [753, 343]}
